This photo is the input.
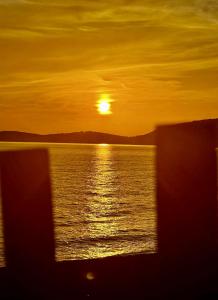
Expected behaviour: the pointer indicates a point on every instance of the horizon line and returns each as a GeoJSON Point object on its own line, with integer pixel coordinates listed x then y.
{"type": "Point", "coordinates": [72, 132]}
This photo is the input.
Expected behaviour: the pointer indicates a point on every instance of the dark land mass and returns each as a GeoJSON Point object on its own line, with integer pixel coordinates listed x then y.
{"type": "Point", "coordinates": [88, 137]}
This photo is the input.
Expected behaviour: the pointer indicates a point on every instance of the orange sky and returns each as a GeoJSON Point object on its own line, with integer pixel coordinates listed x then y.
{"type": "Point", "coordinates": [157, 60]}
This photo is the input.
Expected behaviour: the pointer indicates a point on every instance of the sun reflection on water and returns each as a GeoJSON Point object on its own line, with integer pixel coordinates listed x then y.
{"type": "Point", "coordinates": [102, 205]}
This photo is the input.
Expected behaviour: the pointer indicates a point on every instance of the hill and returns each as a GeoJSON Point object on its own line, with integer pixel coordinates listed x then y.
{"type": "Point", "coordinates": [88, 137]}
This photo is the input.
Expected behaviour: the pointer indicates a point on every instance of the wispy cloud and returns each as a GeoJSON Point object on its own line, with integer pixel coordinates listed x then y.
{"type": "Point", "coordinates": [142, 52]}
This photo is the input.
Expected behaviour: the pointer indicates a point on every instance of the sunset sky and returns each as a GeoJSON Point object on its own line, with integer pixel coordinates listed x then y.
{"type": "Point", "coordinates": [156, 61]}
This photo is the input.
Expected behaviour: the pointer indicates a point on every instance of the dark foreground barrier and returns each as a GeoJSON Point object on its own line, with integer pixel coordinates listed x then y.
{"type": "Point", "coordinates": [187, 206]}
{"type": "Point", "coordinates": [185, 266]}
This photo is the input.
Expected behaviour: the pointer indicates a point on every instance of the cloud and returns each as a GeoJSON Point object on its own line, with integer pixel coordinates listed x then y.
{"type": "Point", "coordinates": [69, 51]}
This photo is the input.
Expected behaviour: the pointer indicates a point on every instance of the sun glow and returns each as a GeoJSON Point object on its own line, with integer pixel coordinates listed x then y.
{"type": "Point", "coordinates": [104, 105]}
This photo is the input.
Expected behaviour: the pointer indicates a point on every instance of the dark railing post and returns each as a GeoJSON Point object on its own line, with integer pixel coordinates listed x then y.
{"type": "Point", "coordinates": [27, 212]}
{"type": "Point", "coordinates": [187, 204]}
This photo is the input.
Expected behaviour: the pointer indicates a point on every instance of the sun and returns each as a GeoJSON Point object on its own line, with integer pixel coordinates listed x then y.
{"type": "Point", "coordinates": [104, 105]}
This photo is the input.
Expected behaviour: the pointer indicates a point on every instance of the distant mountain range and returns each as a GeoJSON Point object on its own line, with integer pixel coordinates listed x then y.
{"type": "Point", "coordinates": [88, 137]}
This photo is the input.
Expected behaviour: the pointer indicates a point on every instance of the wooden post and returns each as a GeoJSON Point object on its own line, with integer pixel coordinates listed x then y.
{"type": "Point", "coordinates": [27, 212]}
{"type": "Point", "coordinates": [187, 203]}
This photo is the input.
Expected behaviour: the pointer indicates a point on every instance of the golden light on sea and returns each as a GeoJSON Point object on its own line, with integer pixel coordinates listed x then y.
{"type": "Point", "coordinates": [104, 105]}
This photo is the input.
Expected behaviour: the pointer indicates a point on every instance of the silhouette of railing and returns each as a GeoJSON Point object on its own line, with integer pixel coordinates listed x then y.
{"type": "Point", "coordinates": [184, 266]}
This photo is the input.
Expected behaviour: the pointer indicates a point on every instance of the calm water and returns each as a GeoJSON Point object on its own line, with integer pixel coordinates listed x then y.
{"type": "Point", "coordinates": [103, 199]}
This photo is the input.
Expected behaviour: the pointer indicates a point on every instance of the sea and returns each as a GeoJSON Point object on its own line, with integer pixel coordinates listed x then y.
{"type": "Point", "coordinates": [103, 199]}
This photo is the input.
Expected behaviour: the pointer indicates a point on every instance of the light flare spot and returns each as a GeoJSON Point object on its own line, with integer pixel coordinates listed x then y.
{"type": "Point", "coordinates": [90, 276]}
